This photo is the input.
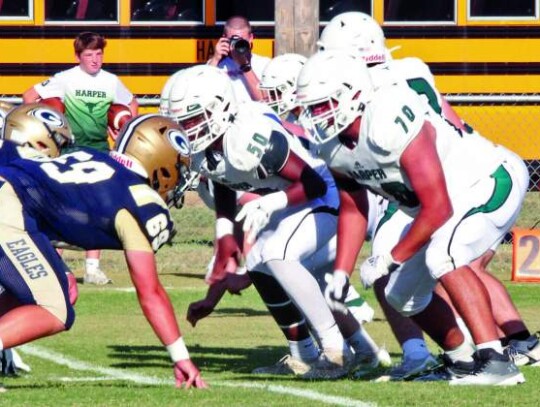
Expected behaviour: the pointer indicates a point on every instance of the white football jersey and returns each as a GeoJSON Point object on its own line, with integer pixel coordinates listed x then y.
{"type": "Point", "coordinates": [253, 146]}
{"type": "Point", "coordinates": [392, 119]}
{"type": "Point", "coordinates": [413, 71]}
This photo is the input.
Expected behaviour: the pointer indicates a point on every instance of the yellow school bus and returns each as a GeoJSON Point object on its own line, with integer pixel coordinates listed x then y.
{"type": "Point", "coordinates": [485, 54]}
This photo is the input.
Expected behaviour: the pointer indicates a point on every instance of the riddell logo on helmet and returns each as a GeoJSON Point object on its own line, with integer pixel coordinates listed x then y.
{"type": "Point", "coordinates": [374, 58]}
{"type": "Point", "coordinates": [122, 159]}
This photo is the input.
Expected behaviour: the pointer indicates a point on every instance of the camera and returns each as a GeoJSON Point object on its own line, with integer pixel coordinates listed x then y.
{"type": "Point", "coordinates": [239, 45]}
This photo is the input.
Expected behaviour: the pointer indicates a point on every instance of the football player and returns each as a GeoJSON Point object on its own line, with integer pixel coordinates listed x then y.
{"type": "Point", "coordinates": [30, 131]}
{"type": "Point", "coordinates": [463, 194]}
{"type": "Point", "coordinates": [91, 200]}
{"type": "Point", "coordinates": [361, 34]}
{"type": "Point", "coordinates": [243, 147]}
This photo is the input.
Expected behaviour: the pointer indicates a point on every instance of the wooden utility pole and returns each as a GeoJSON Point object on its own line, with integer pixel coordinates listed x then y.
{"type": "Point", "coordinates": [297, 26]}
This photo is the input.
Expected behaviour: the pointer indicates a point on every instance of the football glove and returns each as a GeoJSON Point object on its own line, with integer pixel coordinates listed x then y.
{"type": "Point", "coordinates": [376, 267]}
{"type": "Point", "coordinates": [257, 213]}
{"type": "Point", "coordinates": [337, 286]}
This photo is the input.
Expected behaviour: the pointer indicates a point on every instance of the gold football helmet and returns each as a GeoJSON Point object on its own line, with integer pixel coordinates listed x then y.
{"type": "Point", "coordinates": [5, 107]}
{"type": "Point", "coordinates": [154, 147]}
{"type": "Point", "coordinates": [38, 126]}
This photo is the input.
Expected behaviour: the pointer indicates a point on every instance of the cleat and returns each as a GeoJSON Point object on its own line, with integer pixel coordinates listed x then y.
{"type": "Point", "coordinates": [330, 365]}
{"type": "Point", "coordinates": [492, 369]}
{"type": "Point", "coordinates": [287, 365]}
{"type": "Point", "coordinates": [446, 370]}
{"type": "Point", "coordinates": [526, 352]}
{"type": "Point", "coordinates": [410, 367]}
{"type": "Point", "coordinates": [96, 277]}
{"type": "Point", "coordinates": [364, 365]}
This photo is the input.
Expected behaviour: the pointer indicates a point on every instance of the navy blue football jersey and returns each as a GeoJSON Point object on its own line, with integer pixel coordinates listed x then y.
{"type": "Point", "coordinates": [10, 151]}
{"type": "Point", "coordinates": [76, 197]}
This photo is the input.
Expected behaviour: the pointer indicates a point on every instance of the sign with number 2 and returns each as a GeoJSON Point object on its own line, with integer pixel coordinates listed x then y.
{"type": "Point", "coordinates": [526, 255]}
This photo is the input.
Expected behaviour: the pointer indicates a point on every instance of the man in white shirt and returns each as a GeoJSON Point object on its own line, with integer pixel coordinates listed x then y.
{"type": "Point", "coordinates": [234, 56]}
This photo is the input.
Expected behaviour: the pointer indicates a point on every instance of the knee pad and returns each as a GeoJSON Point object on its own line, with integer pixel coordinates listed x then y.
{"type": "Point", "coordinates": [408, 306]}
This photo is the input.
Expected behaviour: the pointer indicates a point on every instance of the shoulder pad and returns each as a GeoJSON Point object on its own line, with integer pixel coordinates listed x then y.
{"type": "Point", "coordinates": [394, 117]}
{"type": "Point", "coordinates": [247, 139]}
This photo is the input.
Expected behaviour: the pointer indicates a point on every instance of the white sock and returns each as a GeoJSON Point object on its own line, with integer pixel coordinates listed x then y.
{"type": "Point", "coordinates": [465, 331]}
{"type": "Point", "coordinates": [92, 265]}
{"type": "Point", "coordinates": [304, 350]}
{"type": "Point", "coordinates": [462, 353]}
{"type": "Point", "coordinates": [415, 348]}
{"type": "Point", "coordinates": [362, 343]}
{"type": "Point", "coordinates": [492, 344]}
{"type": "Point", "coordinates": [331, 339]}
{"type": "Point", "coordinates": [303, 289]}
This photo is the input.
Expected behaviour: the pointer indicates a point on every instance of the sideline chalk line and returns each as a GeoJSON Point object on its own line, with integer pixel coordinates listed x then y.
{"type": "Point", "coordinates": [108, 373]}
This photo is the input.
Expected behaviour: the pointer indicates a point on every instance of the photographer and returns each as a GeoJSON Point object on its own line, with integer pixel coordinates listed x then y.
{"type": "Point", "coordinates": [233, 55]}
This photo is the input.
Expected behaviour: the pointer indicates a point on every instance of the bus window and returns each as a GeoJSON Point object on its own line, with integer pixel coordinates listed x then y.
{"type": "Point", "coordinates": [14, 8]}
{"type": "Point", "coordinates": [167, 10]}
{"type": "Point", "coordinates": [330, 8]}
{"type": "Point", "coordinates": [254, 11]}
{"type": "Point", "coordinates": [86, 10]}
{"type": "Point", "coordinates": [503, 8]}
{"type": "Point", "coordinates": [419, 10]}
{"type": "Point", "coordinates": [263, 10]}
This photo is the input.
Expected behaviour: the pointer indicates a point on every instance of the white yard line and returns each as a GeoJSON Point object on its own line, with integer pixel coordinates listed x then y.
{"type": "Point", "coordinates": [121, 374]}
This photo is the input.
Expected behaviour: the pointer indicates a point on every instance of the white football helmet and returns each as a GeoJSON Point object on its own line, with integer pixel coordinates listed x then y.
{"type": "Point", "coordinates": [154, 147]}
{"type": "Point", "coordinates": [164, 98]}
{"type": "Point", "coordinates": [202, 102]}
{"type": "Point", "coordinates": [39, 126]}
{"type": "Point", "coordinates": [355, 31]}
{"type": "Point", "coordinates": [278, 82]}
{"type": "Point", "coordinates": [333, 88]}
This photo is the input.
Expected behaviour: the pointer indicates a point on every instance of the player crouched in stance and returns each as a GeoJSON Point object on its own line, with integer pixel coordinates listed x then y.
{"type": "Point", "coordinates": [463, 194]}
{"type": "Point", "coordinates": [91, 200]}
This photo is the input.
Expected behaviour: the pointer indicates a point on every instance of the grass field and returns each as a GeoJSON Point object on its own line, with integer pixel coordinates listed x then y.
{"type": "Point", "coordinates": [112, 358]}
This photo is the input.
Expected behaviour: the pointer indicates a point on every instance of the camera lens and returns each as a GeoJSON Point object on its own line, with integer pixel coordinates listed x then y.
{"type": "Point", "coordinates": [239, 45]}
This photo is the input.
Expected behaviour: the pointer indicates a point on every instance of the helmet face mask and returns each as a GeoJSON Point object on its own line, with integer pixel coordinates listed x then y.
{"type": "Point", "coordinates": [333, 88]}
{"type": "Point", "coordinates": [202, 102]}
{"type": "Point", "coordinates": [155, 147]}
{"type": "Point", "coordinates": [39, 126]}
{"type": "Point", "coordinates": [278, 82]}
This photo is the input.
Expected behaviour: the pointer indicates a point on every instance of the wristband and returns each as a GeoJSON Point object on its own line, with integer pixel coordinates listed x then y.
{"type": "Point", "coordinates": [223, 227]}
{"type": "Point", "coordinates": [177, 350]}
{"type": "Point", "coordinates": [245, 68]}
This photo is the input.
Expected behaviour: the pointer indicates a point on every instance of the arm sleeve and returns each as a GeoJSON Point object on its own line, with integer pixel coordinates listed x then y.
{"type": "Point", "coordinates": [122, 95]}
{"type": "Point", "coordinates": [130, 232]}
{"type": "Point", "coordinates": [51, 88]}
{"type": "Point", "coordinates": [276, 154]}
